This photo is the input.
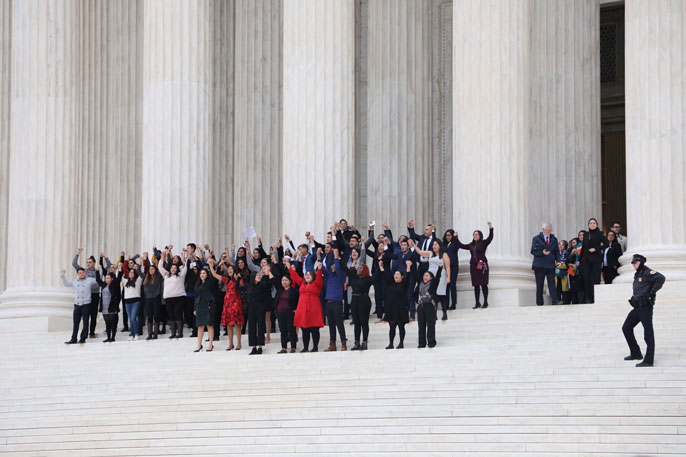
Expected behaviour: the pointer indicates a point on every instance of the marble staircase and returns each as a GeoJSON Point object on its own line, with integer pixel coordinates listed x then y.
{"type": "Point", "coordinates": [540, 381]}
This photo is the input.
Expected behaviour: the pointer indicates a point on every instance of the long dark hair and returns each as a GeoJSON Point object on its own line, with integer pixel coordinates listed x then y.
{"type": "Point", "coordinates": [481, 237]}
{"type": "Point", "coordinates": [132, 282]}
{"type": "Point", "coordinates": [151, 278]}
{"type": "Point", "coordinates": [445, 240]}
{"type": "Point", "coordinates": [440, 248]}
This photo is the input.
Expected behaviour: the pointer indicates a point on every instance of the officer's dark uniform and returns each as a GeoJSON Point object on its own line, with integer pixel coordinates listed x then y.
{"type": "Point", "coordinates": [646, 284]}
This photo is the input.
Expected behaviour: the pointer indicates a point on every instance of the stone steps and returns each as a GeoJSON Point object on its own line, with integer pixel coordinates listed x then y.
{"type": "Point", "coordinates": [502, 382]}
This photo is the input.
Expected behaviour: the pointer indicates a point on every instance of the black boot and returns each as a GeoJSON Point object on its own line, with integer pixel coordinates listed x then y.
{"type": "Point", "coordinates": [172, 329]}
{"type": "Point", "coordinates": [445, 316]}
{"type": "Point", "coordinates": [149, 337]}
{"type": "Point", "coordinates": [477, 306]}
{"type": "Point", "coordinates": [356, 346]}
{"type": "Point", "coordinates": [163, 331]}
{"type": "Point", "coordinates": [179, 329]}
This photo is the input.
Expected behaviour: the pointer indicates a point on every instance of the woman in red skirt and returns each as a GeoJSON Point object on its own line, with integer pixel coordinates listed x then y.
{"type": "Point", "coordinates": [232, 314]}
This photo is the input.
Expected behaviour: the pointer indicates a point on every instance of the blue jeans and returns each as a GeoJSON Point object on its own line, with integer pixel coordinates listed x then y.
{"type": "Point", "coordinates": [132, 311]}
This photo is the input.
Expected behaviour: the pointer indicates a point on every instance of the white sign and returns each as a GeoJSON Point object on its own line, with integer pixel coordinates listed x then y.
{"type": "Point", "coordinates": [249, 233]}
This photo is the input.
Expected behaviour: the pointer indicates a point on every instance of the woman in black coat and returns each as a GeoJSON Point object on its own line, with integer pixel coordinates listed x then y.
{"type": "Point", "coordinates": [205, 303]}
{"type": "Point", "coordinates": [286, 301]}
{"type": "Point", "coordinates": [611, 255]}
{"type": "Point", "coordinates": [451, 248]}
{"type": "Point", "coordinates": [396, 306]}
{"type": "Point", "coordinates": [109, 304]}
{"type": "Point", "coordinates": [258, 303]}
{"type": "Point", "coordinates": [425, 297]}
{"type": "Point", "coordinates": [592, 259]}
{"type": "Point", "coordinates": [360, 282]}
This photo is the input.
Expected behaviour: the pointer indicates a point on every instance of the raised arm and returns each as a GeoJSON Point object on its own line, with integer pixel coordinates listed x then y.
{"type": "Point", "coordinates": [297, 279]}
{"type": "Point", "coordinates": [214, 273]}
{"type": "Point", "coordinates": [490, 234]}
{"type": "Point", "coordinates": [75, 262]}
{"type": "Point", "coordinates": [426, 254]}
{"type": "Point", "coordinates": [65, 283]}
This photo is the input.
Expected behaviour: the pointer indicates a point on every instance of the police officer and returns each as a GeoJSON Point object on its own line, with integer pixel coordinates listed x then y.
{"type": "Point", "coordinates": [646, 284]}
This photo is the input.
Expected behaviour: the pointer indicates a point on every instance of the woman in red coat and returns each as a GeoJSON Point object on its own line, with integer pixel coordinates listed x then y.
{"type": "Point", "coordinates": [308, 314]}
{"type": "Point", "coordinates": [478, 263]}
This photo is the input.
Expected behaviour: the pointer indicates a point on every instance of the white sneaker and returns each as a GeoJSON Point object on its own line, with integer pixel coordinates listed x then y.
{"type": "Point", "coordinates": [135, 337]}
{"type": "Point", "coordinates": [130, 338]}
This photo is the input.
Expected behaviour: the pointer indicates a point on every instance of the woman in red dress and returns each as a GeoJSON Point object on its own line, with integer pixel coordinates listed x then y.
{"type": "Point", "coordinates": [232, 314]}
{"type": "Point", "coordinates": [308, 314]}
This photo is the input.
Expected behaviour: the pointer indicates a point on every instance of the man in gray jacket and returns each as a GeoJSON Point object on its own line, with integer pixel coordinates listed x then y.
{"type": "Point", "coordinates": [82, 300]}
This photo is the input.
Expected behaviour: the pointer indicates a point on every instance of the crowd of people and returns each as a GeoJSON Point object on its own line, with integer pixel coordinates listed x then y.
{"type": "Point", "coordinates": [573, 268]}
{"type": "Point", "coordinates": [248, 291]}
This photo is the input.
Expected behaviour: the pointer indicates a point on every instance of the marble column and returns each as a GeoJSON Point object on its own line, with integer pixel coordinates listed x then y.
{"type": "Point", "coordinates": [655, 56]}
{"type": "Point", "coordinates": [44, 145]}
{"type": "Point", "coordinates": [111, 124]}
{"type": "Point", "coordinates": [178, 73]}
{"type": "Point", "coordinates": [257, 139]}
{"type": "Point", "coordinates": [318, 114]}
{"type": "Point", "coordinates": [401, 181]}
{"type": "Point", "coordinates": [221, 172]}
{"type": "Point", "coordinates": [5, 55]}
{"type": "Point", "coordinates": [491, 132]}
{"type": "Point", "coordinates": [565, 116]}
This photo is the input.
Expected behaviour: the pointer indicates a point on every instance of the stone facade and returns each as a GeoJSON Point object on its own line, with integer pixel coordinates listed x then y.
{"type": "Point", "coordinates": [132, 123]}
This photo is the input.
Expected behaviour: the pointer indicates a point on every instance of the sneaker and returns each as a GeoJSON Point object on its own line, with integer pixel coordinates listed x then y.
{"type": "Point", "coordinates": [130, 338]}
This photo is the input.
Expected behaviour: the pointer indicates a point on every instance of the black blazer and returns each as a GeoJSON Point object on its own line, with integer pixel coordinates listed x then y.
{"type": "Point", "coordinates": [593, 239]}
{"type": "Point", "coordinates": [115, 291]}
{"type": "Point", "coordinates": [613, 254]}
{"type": "Point", "coordinates": [293, 293]}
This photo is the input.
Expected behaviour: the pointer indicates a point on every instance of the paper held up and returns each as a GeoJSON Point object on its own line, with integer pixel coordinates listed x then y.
{"type": "Point", "coordinates": [249, 233]}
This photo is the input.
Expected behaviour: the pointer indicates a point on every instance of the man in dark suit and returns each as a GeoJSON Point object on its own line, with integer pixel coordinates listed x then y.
{"type": "Point", "coordinates": [545, 249]}
{"type": "Point", "coordinates": [424, 242]}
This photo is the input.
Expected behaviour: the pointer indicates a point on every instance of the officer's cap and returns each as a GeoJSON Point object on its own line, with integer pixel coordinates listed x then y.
{"type": "Point", "coordinates": [638, 258]}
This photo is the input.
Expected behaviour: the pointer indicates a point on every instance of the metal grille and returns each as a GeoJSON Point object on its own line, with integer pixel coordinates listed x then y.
{"type": "Point", "coordinates": [608, 53]}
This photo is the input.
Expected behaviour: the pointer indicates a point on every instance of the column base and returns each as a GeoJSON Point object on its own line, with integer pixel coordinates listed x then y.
{"type": "Point", "coordinates": [670, 261]}
{"type": "Point", "coordinates": [501, 298]}
{"type": "Point", "coordinates": [30, 310]}
{"type": "Point", "coordinates": [672, 291]}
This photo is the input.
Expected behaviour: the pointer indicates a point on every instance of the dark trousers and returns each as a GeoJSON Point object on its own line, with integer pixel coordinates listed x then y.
{"type": "Point", "coordinates": [188, 308]}
{"type": "Point", "coordinates": [426, 320]}
{"type": "Point", "coordinates": [644, 315]}
{"type": "Point", "coordinates": [93, 311]}
{"type": "Point", "coordinates": [378, 299]}
{"type": "Point", "coordinates": [256, 324]}
{"type": "Point", "coordinates": [452, 287]}
{"type": "Point", "coordinates": [609, 274]}
{"type": "Point", "coordinates": [543, 274]}
{"type": "Point", "coordinates": [391, 332]}
{"type": "Point", "coordinates": [111, 322]}
{"type": "Point", "coordinates": [334, 316]}
{"type": "Point", "coordinates": [360, 306]}
{"type": "Point", "coordinates": [591, 276]}
{"type": "Point", "coordinates": [153, 309]}
{"type": "Point", "coordinates": [175, 308]}
{"type": "Point", "coordinates": [125, 318]}
{"type": "Point", "coordinates": [285, 319]}
{"type": "Point", "coordinates": [314, 333]}
{"type": "Point", "coordinates": [81, 313]}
